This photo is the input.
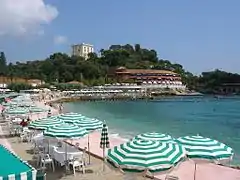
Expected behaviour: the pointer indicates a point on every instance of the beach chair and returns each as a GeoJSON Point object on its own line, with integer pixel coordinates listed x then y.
{"type": "Point", "coordinates": [170, 177]}
{"type": "Point", "coordinates": [46, 159]}
{"type": "Point", "coordinates": [77, 162]}
{"type": "Point", "coordinates": [24, 137]}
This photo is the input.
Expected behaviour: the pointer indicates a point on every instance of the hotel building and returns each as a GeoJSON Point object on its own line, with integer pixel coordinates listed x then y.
{"type": "Point", "coordinates": [82, 50]}
{"type": "Point", "coordinates": [150, 77]}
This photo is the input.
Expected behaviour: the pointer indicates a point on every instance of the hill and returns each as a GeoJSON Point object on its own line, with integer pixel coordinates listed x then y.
{"type": "Point", "coordinates": [62, 68]}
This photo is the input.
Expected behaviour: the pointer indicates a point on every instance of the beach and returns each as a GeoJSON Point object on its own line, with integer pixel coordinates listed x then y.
{"type": "Point", "coordinates": [95, 169]}
{"type": "Point", "coordinates": [176, 116]}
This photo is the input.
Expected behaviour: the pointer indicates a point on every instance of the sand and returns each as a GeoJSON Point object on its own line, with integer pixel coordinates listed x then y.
{"type": "Point", "coordinates": [94, 171]}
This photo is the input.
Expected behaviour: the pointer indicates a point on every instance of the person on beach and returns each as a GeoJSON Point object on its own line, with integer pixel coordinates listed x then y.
{"type": "Point", "coordinates": [28, 120]}
{"type": "Point", "coordinates": [49, 113]}
{"type": "Point", "coordinates": [23, 123]}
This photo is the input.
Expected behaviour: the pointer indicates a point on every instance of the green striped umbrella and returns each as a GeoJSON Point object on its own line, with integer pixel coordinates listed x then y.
{"type": "Point", "coordinates": [89, 124]}
{"type": "Point", "coordinates": [17, 111]}
{"type": "Point", "coordinates": [154, 136]}
{"type": "Point", "coordinates": [146, 155]}
{"type": "Point", "coordinates": [65, 131]}
{"type": "Point", "coordinates": [10, 103]}
{"type": "Point", "coordinates": [71, 117]}
{"type": "Point", "coordinates": [205, 148]}
{"type": "Point", "coordinates": [36, 110]}
{"type": "Point", "coordinates": [104, 143]}
{"type": "Point", "coordinates": [43, 124]}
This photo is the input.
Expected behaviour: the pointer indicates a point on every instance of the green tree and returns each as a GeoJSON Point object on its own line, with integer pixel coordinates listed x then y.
{"type": "Point", "coordinates": [62, 68]}
{"type": "Point", "coordinates": [3, 64]}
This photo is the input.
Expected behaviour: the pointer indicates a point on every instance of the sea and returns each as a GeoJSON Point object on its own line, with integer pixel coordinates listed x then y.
{"type": "Point", "coordinates": [214, 117]}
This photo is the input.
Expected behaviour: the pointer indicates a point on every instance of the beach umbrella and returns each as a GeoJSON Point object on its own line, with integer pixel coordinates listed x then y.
{"type": "Point", "coordinates": [71, 117]}
{"type": "Point", "coordinates": [65, 131]}
{"type": "Point", "coordinates": [104, 142]}
{"type": "Point", "coordinates": [43, 124]}
{"type": "Point", "coordinates": [199, 147]}
{"type": "Point", "coordinates": [17, 111]}
{"type": "Point", "coordinates": [10, 103]}
{"type": "Point", "coordinates": [89, 123]}
{"type": "Point", "coordinates": [205, 148]}
{"type": "Point", "coordinates": [13, 167]}
{"type": "Point", "coordinates": [36, 110]}
{"type": "Point", "coordinates": [142, 155]}
{"type": "Point", "coordinates": [154, 136]}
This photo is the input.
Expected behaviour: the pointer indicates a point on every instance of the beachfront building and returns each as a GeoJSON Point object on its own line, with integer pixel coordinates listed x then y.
{"type": "Point", "coordinates": [82, 50]}
{"type": "Point", "coordinates": [35, 82]}
{"type": "Point", "coordinates": [149, 77]}
{"type": "Point", "coordinates": [230, 88]}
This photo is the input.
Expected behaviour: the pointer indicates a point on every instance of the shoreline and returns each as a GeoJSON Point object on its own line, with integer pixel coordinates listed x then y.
{"type": "Point", "coordinates": [120, 134]}
{"type": "Point", "coordinates": [95, 143]}
{"type": "Point", "coordinates": [115, 98]}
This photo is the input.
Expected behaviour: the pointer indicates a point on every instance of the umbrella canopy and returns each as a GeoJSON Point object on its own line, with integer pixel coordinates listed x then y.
{"type": "Point", "coordinates": [71, 117]}
{"type": "Point", "coordinates": [17, 111]}
{"type": "Point", "coordinates": [205, 148]}
{"type": "Point", "coordinates": [14, 167]}
{"type": "Point", "coordinates": [146, 155]}
{"type": "Point", "coordinates": [104, 143]}
{"type": "Point", "coordinates": [90, 124]}
{"type": "Point", "coordinates": [154, 136]}
{"type": "Point", "coordinates": [10, 103]}
{"type": "Point", "coordinates": [43, 124]}
{"type": "Point", "coordinates": [65, 131]}
{"type": "Point", "coordinates": [36, 109]}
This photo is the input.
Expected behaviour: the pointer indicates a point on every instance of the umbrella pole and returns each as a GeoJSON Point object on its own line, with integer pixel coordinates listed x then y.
{"type": "Point", "coordinates": [103, 159]}
{"type": "Point", "coordinates": [66, 163]}
{"type": "Point", "coordinates": [195, 169]}
{"type": "Point", "coordinates": [88, 150]}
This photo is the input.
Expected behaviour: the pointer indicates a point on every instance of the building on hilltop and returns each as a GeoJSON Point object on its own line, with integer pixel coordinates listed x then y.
{"type": "Point", "coordinates": [82, 50]}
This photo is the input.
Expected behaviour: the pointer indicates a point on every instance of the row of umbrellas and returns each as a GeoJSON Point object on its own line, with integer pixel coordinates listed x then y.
{"type": "Point", "coordinates": [148, 151]}
{"type": "Point", "coordinates": [67, 126]}
{"type": "Point", "coordinates": [76, 119]}
{"type": "Point", "coordinates": [151, 151]}
{"type": "Point", "coordinates": [21, 105]}
{"type": "Point", "coordinates": [23, 111]}
{"type": "Point", "coordinates": [153, 154]}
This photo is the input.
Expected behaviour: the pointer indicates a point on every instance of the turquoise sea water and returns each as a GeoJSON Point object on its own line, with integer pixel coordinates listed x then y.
{"type": "Point", "coordinates": [178, 116]}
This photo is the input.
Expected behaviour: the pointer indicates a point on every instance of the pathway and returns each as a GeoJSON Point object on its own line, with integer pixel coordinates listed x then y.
{"type": "Point", "coordinates": [4, 131]}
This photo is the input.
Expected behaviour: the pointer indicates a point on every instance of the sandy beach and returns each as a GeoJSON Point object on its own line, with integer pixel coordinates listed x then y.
{"type": "Point", "coordinates": [94, 170]}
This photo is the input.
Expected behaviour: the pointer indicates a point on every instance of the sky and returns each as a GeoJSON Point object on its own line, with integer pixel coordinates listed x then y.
{"type": "Point", "coordinates": [201, 35]}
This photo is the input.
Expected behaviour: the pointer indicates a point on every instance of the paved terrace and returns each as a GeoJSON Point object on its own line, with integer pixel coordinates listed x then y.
{"type": "Point", "coordinates": [185, 170]}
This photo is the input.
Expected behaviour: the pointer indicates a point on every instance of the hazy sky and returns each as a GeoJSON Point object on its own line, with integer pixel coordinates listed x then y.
{"type": "Point", "coordinates": [200, 35]}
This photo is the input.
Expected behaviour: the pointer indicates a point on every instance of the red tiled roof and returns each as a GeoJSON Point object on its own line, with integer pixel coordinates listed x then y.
{"type": "Point", "coordinates": [144, 71]}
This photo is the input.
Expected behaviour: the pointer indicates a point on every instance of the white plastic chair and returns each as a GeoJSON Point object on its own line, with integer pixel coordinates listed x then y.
{"type": "Point", "coordinates": [77, 162]}
{"type": "Point", "coordinates": [46, 159]}
{"type": "Point", "coordinates": [24, 137]}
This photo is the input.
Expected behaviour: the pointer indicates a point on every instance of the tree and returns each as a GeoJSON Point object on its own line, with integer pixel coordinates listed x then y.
{"type": "Point", "coordinates": [3, 64]}
{"type": "Point", "coordinates": [62, 68]}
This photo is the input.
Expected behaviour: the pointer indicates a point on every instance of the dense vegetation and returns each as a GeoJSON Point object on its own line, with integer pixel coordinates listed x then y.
{"type": "Point", "coordinates": [61, 68]}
